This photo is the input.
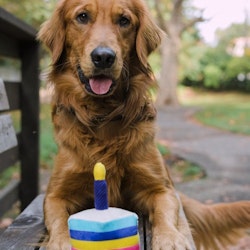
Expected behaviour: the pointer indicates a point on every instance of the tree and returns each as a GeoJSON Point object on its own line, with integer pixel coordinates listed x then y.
{"type": "Point", "coordinates": [226, 36]}
{"type": "Point", "coordinates": [220, 67]}
{"type": "Point", "coordinates": [174, 17]}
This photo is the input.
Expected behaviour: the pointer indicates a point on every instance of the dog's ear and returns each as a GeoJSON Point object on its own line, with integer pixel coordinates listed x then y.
{"type": "Point", "coordinates": [52, 33]}
{"type": "Point", "coordinates": [149, 36]}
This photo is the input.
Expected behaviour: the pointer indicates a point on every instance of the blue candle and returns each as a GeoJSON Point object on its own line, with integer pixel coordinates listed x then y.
{"type": "Point", "coordinates": [100, 187]}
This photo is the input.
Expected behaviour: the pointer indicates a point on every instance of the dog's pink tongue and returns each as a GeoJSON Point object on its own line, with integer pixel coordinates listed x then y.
{"type": "Point", "coordinates": [100, 85]}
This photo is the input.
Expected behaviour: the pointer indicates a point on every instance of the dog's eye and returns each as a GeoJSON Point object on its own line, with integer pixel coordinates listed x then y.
{"type": "Point", "coordinates": [123, 21]}
{"type": "Point", "coordinates": [83, 18]}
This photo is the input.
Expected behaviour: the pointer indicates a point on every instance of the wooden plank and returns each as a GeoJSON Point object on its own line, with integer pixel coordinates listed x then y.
{"type": "Point", "coordinates": [7, 133]}
{"type": "Point", "coordinates": [29, 123]}
{"type": "Point", "coordinates": [27, 230]}
{"type": "Point", "coordinates": [13, 94]}
{"type": "Point", "coordinates": [8, 196]}
{"type": "Point", "coordinates": [9, 158]}
{"type": "Point", "coordinates": [15, 27]}
{"type": "Point", "coordinates": [4, 103]}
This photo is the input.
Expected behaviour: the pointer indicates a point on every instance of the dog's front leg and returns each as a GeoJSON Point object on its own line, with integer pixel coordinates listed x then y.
{"type": "Point", "coordinates": [56, 217]}
{"type": "Point", "coordinates": [169, 226]}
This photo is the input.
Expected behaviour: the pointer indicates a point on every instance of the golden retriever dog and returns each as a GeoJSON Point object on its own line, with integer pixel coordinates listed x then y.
{"type": "Point", "coordinates": [102, 112]}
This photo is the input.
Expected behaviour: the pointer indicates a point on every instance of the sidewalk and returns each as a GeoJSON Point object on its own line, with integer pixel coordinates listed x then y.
{"type": "Point", "coordinates": [224, 156]}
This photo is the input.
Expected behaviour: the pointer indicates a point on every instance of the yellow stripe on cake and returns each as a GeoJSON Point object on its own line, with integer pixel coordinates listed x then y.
{"type": "Point", "coordinates": [107, 244]}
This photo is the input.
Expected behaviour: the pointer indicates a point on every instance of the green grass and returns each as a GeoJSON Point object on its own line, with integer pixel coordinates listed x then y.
{"type": "Point", "coordinates": [184, 171]}
{"type": "Point", "coordinates": [48, 147]}
{"type": "Point", "coordinates": [9, 174]}
{"type": "Point", "coordinates": [224, 110]}
{"type": "Point", "coordinates": [180, 169]}
{"type": "Point", "coordinates": [235, 119]}
{"type": "Point", "coordinates": [163, 149]}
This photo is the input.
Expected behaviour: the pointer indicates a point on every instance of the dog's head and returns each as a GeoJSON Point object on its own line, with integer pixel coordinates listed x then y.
{"type": "Point", "coordinates": [98, 40]}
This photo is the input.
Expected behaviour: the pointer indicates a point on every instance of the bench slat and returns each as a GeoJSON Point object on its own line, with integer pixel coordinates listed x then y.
{"type": "Point", "coordinates": [8, 196]}
{"type": "Point", "coordinates": [7, 133]}
{"type": "Point", "coordinates": [4, 103]}
{"type": "Point", "coordinates": [9, 95]}
{"type": "Point", "coordinates": [9, 158]}
{"type": "Point", "coordinates": [13, 94]}
{"type": "Point", "coordinates": [27, 229]}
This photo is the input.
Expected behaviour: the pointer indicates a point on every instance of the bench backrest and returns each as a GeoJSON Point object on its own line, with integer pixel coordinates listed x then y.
{"type": "Point", "coordinates": [17, 40]}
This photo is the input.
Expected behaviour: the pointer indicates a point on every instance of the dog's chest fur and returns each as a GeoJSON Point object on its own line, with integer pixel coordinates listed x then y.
{"type": "Point", "coordinates": [109, 144]}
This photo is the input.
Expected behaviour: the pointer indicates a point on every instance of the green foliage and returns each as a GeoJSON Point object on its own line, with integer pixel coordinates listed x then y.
{"type": "Point", "coordinates": [225, 36]}
{"type": "Point", "coordinates": [48, 147]}
{"type": "Point", "coordinates": [191, 55]}
{"type": "Point", "coordinates": [238, 65]}
{"type": "Point", "coordinates": [212, 76]}
{"type": "Point", "coordinates": [33, 12]}
{"type": "Point", "coordinates": [215, 68]}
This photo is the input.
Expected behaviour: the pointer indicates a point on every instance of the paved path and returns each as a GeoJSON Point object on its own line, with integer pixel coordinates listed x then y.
{"type": "Point", "coordinates": [224, 156]}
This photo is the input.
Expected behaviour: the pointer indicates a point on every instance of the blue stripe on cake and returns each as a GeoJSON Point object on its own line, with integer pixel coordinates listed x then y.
{"type": "Point", "coordinates": [99, 236]}
{"type": "Point", "coordinates": [94, 226]}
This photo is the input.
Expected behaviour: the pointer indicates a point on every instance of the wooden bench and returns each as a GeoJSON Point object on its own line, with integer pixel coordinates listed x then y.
{"type": "Point", "coordinates": [17, 40]}
{"type": "Point", "coordinates": [18, 44]}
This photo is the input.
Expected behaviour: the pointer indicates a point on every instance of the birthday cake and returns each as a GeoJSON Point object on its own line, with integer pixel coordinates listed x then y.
{"type": "Point", "coordinates": [103, 228]}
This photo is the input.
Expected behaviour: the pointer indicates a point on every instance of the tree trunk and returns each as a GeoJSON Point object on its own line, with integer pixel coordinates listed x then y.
{"type": "Point", "coordinates": [168, 82]}
{"type": "Point", "coordinates": [170, 50]}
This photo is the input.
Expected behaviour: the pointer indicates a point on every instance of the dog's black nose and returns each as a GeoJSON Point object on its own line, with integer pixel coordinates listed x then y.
{"type": "Point", "coordinates": [103, 57]}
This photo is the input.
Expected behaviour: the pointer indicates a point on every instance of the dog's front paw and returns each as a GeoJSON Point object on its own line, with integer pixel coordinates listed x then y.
{"type": "Point", "coordinates": [170, 240]}
{"type": "Point", "coordinates": [59, 244]}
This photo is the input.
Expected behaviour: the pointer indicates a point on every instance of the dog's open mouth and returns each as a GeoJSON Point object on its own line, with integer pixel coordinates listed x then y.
{"type": "Point", "coordinates": [100, 85]}
{"type": "Point", "coordinates": [97, 85]}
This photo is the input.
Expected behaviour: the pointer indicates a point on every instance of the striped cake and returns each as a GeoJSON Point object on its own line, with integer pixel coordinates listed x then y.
{"type": "Point", "coordinates": [103, 228]}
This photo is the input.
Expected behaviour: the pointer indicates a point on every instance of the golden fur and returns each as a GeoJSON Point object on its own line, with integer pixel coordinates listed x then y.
{"type": "Point", "coordinates": [116, 127]}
